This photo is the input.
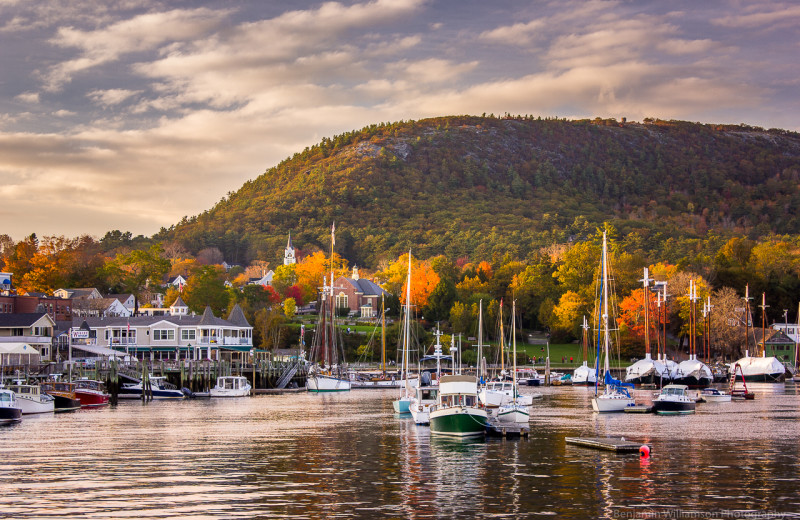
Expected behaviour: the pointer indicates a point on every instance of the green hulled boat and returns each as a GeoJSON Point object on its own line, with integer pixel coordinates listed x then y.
{"type": "Point", "coordinates": [458, 412]}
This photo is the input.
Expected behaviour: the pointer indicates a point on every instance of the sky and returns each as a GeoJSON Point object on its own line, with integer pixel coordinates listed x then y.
{"type": "Point", "coordinates": [132, 114]}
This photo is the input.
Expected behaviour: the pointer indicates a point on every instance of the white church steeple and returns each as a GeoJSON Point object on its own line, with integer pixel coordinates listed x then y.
{"type": "Point", "coordinates": [288, 254]}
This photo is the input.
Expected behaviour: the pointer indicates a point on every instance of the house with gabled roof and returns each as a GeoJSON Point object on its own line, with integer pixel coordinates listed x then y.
{"type": "Point", "coordinates": [78, 294]}
{"type": "Point", "coordinates": [30, 328]}
{"type": "Point", "coordinates": [358, 294]}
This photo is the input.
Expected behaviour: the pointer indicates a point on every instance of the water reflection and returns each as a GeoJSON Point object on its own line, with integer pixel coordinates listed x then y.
{"type": "Point", "coordinates": [347, 455]}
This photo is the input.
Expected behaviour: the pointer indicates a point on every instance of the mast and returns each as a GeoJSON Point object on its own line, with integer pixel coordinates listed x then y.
{"type": "Point", "coordinates": [646, 282]}
{"type": "Point", "coordinates": [692, 320]}
{"type": "Point", "coordinates": [502, 345]}
{"type": "Point", "coordinates": [747, 319]}
{"type": "Point", "coordinates": [480, 338]}
{"type": "Point", "coordinates": [383, 334]}
{"type": "Point", "coordinates": [514, 348]}
{"type": "Point", "coordinates": [599, 316]}
{"type": "Point", "coordinates": [407, 327]}
{"type": "Point", "coordinates": [585, 340]}
{"type": "Point", "coordinates": [764, 324]}
{"type": "Point", "coordinates": [606, 336]}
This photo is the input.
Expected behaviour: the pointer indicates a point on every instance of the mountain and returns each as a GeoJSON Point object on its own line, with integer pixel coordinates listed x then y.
{"type": "Point", "coordinates": [484, 186]}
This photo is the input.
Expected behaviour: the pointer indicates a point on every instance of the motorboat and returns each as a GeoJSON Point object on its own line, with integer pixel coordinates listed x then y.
{"type": "Point", "coordinates": [31, 400]}
{"type": "Point", "coordinates": [457, 412]}
{"type": "Point", "coordinates": [422, 403]}
{"type": "Point", "coordinates": [529, 377]}
{"type": "Point", "coordinates": [712, 395]}
{"type": "Point", "coordinates": [160, 388]}
{"type": "Point", "coordinates": [91, 393]}
{"type": "Point", "coordinates": [10, 412]}
{"type": "Point", "coordinates": [673, 400]}
{"type": "Point", "coordinates": [498, 393]}
{"type": "Point", "coordinates": [64, 395]}
{"type": "Point", "coordinates": [231, 386]}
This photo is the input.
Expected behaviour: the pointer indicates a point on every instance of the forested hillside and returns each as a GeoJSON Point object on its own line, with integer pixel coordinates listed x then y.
{"type": "Point", "coordinates": [484, 186]}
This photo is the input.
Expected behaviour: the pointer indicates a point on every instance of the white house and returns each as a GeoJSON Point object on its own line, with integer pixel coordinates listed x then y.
{"type": "Point", "coordinates": [265, 280]}
{"type": "Point", "coordinates": [84, 293]}
{"type": "Point", "coordinates": [171, 336]}
{"type": "Point", "coordinates": [127, 300]}
{"type": "Point", "coordinates": [30, 328]}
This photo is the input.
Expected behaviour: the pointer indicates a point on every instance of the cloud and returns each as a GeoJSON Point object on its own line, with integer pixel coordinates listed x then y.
{"type": "Point", "coordinates": [28, 97]}
{"type": "Point", "coordinates": [141, 33]}
{"type": "Point", "coordinates": [517, 34]}
{"type": "Point", "coordinates": [111, 97]}
{"type": "Point", "coordinates": [782, 15]}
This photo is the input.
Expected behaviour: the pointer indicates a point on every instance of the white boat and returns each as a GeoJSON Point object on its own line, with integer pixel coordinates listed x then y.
{"type": "Point", "coordinates": [422, 403]}
{"type": "Point", "coordinates": [761, 369]}
{"type": "Point", "coordinates": [647, 371]}
{"type": "Point", "coordinates": [10, 412]}
{"type": "Point", "coordinates": [674, 400]}
{"type": "Point", "coordinates": [615, 397]}
{"type": "Point", "coordinates": [529, 377]}
{"type": "Point", "coordinates": [31, 400]}
{"type": "Point", "coordinates": [457, 412]}
{"type": "Point", "coordinates": [231, 386]}
{"type": "Point", "coordinates": [694, 373]}
{"type": "Point", "coordinates": [515, 408]}
{"type": "Point", "coordinates": [326, 372]}
{"type": "Point", "coordinates": [712, 395]}
{"type": "Point", "coordinates": [584, 375]}
{"type": "Point", "coordinates": [160, 389]}
{"type": "Point", "coordinates": [498, 393]}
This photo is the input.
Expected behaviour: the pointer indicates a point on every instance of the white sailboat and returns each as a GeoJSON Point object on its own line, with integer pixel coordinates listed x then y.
{"type": "Point", "coordinates": [647, 370]}
{"type": "Point", "coordinates": [426, 394]}
{"type": "Point", "coordinates": [615, 397]}
{"type": "Point", "coordinates": [693, 372]}
{"type": "Point", "coordinates": [513, 410]}
{"type": "Point", "coordinates": [401, 405]}
{"type": "Point", "coordinates": [584, 374]}
{"type": "Point", "coordinates": [759, 368]}
{"type": "Point", "coordinates": [326, 373]}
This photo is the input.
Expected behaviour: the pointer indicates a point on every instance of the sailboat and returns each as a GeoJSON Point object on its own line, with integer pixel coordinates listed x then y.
{"type": "Point", "coordinates": [615, 397]}
{"type": "Point", "coordinates": [758, 368]}
{"type": "Point", "coordinates": [514, 410]}
{"type": "Point", "coordinates": [327, 373]}
{"type": "Point", "coordinates": [584, 375]}
{"type": "Point", "coordinates": [503, 391]}
{"type": "Point", "coordinates": [401, 405]}
{"type": "Point", "coordinates": [693, 372]}
{"type": "Point", "coordinates": [647, 370]}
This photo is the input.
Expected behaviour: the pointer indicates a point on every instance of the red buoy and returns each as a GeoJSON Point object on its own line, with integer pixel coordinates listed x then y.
{"type": "Point", "coordinates": [644, 451]}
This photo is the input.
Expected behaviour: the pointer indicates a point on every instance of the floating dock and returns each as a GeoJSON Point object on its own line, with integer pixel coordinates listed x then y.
{"type": "Point", "coordinates": [507, 430]}
{"type": "Point", "coordinates": [617, 444]}
{"type": "Point", "coordinates": [639, 408]}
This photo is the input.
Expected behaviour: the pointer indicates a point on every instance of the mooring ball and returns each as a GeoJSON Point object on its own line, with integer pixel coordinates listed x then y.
{"type": "Point", "coordinates": [644, 451]}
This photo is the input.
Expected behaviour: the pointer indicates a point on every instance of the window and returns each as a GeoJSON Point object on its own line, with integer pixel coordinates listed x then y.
{"type": "Point", "coordinates": [341, 301]}
{"type": "Point", "coordinates": [163, 334]}
{"type": "Point", "coordinates": [187, 335]}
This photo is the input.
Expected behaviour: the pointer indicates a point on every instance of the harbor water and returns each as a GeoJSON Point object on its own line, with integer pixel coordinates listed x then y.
{"type": "Point", "coordinates": [349, 456]}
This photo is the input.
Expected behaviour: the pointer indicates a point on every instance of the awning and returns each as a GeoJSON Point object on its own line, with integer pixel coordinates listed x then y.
{"type": "Point", "coordinates": [100, 351]}
{"type": "Point", "coordinates": [17, 348]}
{"type": "Point", "coordinates": [237, 348]}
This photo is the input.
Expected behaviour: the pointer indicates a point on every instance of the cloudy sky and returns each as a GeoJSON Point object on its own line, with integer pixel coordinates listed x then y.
{"type": "Point", "coordinates": [131, 115]}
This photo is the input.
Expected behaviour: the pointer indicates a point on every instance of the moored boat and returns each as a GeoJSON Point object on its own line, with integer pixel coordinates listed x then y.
{"type": "Point", "coordinates": [231, 386]}
{"type": "Point", "coordinates": [712, 395]}
{"type": "Point", "coordinates": [422, 403]}
{"type": "Point", "coordinates": [673, 400]}
{"type": "Point", "coordinates": [91, 393]}
{"type": "Point", "coordinates": [63, 394]}
{"type": "Point", "coordinates": [31, 400]}
{"type": "Point", "coordinates": [10, 412]}
{"type": "Point", "coordinates": [457, 412]}
{"type": "Point", "coordinates": [159, 389]}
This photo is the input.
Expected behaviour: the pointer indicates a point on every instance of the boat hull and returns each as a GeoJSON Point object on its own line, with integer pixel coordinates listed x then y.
{"type": "Point", "coordinates": [721, 398]}
{"type": "Point", "coordinates": [513, 413]}
{"type": "Point", "coordinates": [458, 421]}
{"type": "Point", "coordinates": [402, 405]}
{"type": "Point", "coordinates": [136, 393]}
{"type": "Point", "coordinates": [327, 384]}
{"type": "Point", "coordinates": [91, 398]}
{"type": "Point", "coordinates": [694, 382]}
{"type": "Point", "coordinates": [32, 406]}
{"type": "Point", "coordinates": [421, 412]}
{"type": "Point", "coordinates": [65, 403]}
{"type": "Point", "coordinates": [10, 415]}
{"type": "Point", "coordinates": [608, 404]}
{"type": "Point", "coordinates": [673, 407]}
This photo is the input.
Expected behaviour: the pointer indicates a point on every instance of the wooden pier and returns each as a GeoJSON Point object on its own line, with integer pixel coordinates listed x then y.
{"type": "Point", "coordinates": [507, 430]}
{"type": "Point", "coordinates": [617, 444]}
{"type": "Point", "coordinates": [639, 408]}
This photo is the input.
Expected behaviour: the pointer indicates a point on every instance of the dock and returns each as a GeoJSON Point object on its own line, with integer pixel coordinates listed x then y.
{"type": "Point", "coordinates": [507, 430]}
{"type": "Point", "coordinates": [639, 408]}
{"type": "Point", "coordinates": [279, 391]}
{"type": "Point", "coordinates": [617, 444]}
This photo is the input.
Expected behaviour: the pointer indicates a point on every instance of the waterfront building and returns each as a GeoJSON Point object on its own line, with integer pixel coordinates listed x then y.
{"type": "Point", "coordinates": [359, 295]}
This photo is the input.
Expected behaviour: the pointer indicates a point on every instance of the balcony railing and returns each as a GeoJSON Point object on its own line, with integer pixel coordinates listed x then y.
{"type": "Point", "coordinates": [224, 341]}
